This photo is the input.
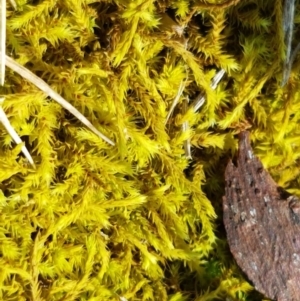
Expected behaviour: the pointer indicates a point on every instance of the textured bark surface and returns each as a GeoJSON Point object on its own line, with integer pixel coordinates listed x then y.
{"type": "Point", "coordinates": [262, 222]}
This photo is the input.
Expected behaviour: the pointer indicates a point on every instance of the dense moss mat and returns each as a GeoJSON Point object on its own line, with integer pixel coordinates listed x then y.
{"type": "Point", "coordinates": [138, 220]}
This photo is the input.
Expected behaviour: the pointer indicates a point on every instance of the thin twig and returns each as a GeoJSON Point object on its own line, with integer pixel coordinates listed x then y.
{"type": "Point", "coordinates": [12, 64]}
{"type": "Point", "coordinates": [186, 127]}
{"type": "Point", "coordinates": [200, 99]}
{"type": "Point", "coordinates": [195, 106]}
{"type": "Point", "coordinates": [4, 120]}
{"type": "Point", "coordinates": [2, 40]}
{"type": "Point", "coordinates": [288, 25]}
{"type": "Point", "coordinates": [13, 4]}
{"type": "Point", "coordinates": [288, 67]}
{"type": "Point", "coordinates": [176, 100]}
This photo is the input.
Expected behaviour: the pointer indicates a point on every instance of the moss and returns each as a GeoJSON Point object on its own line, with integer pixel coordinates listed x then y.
{"type": "Point", "coordinates": [138, 220]}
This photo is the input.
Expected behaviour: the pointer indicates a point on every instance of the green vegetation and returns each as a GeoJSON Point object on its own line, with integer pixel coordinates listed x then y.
{"type": "Point", "coordinates": [137, 220]}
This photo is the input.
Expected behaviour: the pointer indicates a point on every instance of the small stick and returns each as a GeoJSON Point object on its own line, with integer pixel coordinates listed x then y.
{"type": "Point", "coordinates": [200, 99]}
{"type": "Point", "coordinates": [13, 4]}
{"type": "Point", "coordinates": [176, 100]}
{"type": "Point", "coordinates": [2, 40]}
{"type": "Point", "coordinates": [288, 25]}
{"type": "Point", "coordinates": [185, 127]}
{"type": "Point", "coordinates": [288, 65]}
{"type": "Point", "coordinates": [4, 120]}
{"type": "Point", "coordinates": [38, 82]}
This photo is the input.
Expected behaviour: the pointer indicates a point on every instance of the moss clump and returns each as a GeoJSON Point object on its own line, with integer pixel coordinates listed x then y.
{"type": "Point", "coordinates": [138, 220]}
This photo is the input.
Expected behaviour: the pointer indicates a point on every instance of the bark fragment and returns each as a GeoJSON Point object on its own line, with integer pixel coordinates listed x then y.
{"type": "Point", "coordinates": [262, 222]}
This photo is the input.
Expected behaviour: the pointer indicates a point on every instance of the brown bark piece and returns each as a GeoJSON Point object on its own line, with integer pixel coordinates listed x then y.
{"type": "Point", "coordinates": [262, 222]}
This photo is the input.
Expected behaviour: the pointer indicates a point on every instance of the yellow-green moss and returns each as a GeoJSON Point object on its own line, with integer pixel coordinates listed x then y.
{"type": "Point", "coordinates": [137, 220]}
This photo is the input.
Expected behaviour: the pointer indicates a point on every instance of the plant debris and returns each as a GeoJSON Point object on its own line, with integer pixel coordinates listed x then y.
{"type": "Point", "coordinates": [262, 222]}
